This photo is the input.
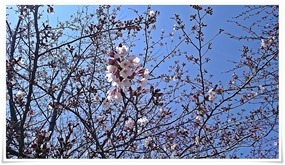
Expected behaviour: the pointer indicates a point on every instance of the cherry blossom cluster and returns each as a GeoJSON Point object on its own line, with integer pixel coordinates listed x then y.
{"type": "Point", "coordinates": [266, 43]}
{"type": "Point", "coordinates": [123, 71]}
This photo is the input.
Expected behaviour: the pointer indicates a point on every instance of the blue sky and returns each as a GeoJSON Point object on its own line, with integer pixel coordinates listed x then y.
{"type": "Point", "coordinates": [223, 48]}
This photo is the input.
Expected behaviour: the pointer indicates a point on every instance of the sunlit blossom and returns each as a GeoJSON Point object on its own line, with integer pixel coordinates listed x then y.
{"type": "Point", "coordinates": [7, 96]}
{"type": "Point", "coordinates": [212, 95]}
{"type": "Point", "coordinates": [20, 94]}
{"type": "Point", "coordinates": [146, 74]}
{"type": "Point", "coordinates": [147, 141]}
{"type": "Point", "coordinates": [134, 61]}
{"type": "Point", "coordinates": [143, 121]}
{"type": "Point", "coordinates": [125, 64]}
{"type": "Point", "coordinates": [122, 49]}
{"type": "Point", "coordinates": [130, 123]}
{"type": "Point", "coordinates": [106, 103]}
{"type": "Point", "coordinates": [115, 95]}
{"type": "Point", "coordinates": [261, 88]}
{"type": "Point", "coordinates": [151, 13]}
{"type": "Point", "coordinates": [110, 77]}
{"type": "Point", "coordinates": [199, 117]}
{"type": "Point", "coordinates": [143, 82]}
{"type": "Point", "coordinates": [126, 83]}
{"type": "Point", "coordinates": [173, 146]}
{"type": "Point", "coordinates": [111, 69]}
{"type": "Point", "coordinates": [125, 73]}
{"type": "Point", "coordinates": [175, 27]}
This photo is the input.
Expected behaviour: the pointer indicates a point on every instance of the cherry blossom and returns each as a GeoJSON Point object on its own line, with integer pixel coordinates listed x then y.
{"type": "Point", "coordinates": [122, 49]}
{"type": "Point", "coordinates": [212, 95]}
{"type": "Point", "coordinates": [125, 73]}
{"type": "Point", "coordinates": [111, 77]}
{"type": "Point", "coordinates": [20, 94]}
{"type": "Point", "coordinates": [114, 95]}
{"type": "Point", "coordinates": [7, 96]}
{"type": "Point", "coordinates": [143, 82]}
{"type": "Point", "coordinates": [143, 121]}
{"type": "Point", "coordinates": [151, 13]}
{"type": "Point", "coordinates": [261, 88]}
{"type": "Point", "coordinates": [111, 69]}
{"type": "Point", "coordinates": [146, 73]}
{"type": "Point", "coordinates": [106, 103]}
{"type": "Point", "coordinates": [125, 64]}
{"type": "Point", "coordinates": [130, 123]}
{"type": "Point", "coordinates": [133, 61]}
{"type": "Point", "coordinates": [125, 83]}
{"type": "Point", "coordinates": [199, 117]}
{"type": "Point", "coordinates": [147, 141]}
{"type": "Point", "coordinates": [175, 27]}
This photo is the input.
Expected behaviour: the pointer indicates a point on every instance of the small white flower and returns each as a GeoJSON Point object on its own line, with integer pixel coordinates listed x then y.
{"type": "Point", "coordinates": [147, 141]}
{"type": "Point", "coordinates": [175, 27]}
{"type": "Point", "coordinates": [174, 78]}
{"type": "Point", "coordinates": [7, 96]}
{"type": "Point", "coordinates": [125, 83]}
{"type": "Point", "coordinates": [253, 94]}
{"type": "Point", "coordinates": [163, 112]}
{"type": "Point", "coordinates": [114, 95]}
{"type": "Point", "coordinates": [22, 62]}
{"type": "Point", "coordinates": [110, 77]}
{"type": "Point", "coordinates": [106, 103]}
{"type": "Point", "coordinates": [197, 140]}
{"type": "Point", "coordinates": [146, 74]}
{"type": "Point", "coordinates": [122, 49]}
{"type": "Point", "coordinates": [111, 69]}
{"type": "Point", "coordinates": [199, 117]}
{"type": "Point", "coordinates": [20, 94]}
{"type": "Point", "coordinates": [50, 107]}
{"type": "Point", "coordinates": [115, 82]}
{"type": "Point", "coordinates": [261, 88]}
{"type": "Point", "coordinates": [133, 61]}
{"type": "Point", "coordinates": [263, 43]}
{"type": "Point", "coordinates": [96, 98]}
{"type": "Point", "coordinates": [173, 146]}
{"type": "Point", "coordinates": [125, 73]}
{"type": "Point", "coordinates": [118, 97]}
{"type": "Point", "coordinates": [151, 13]}
{"type": "Point", "coordinates": [125, 64]}
{"type": "Point", "coordinates": [275, 143]}
{"type": "Point", "coordinates": [48, 134]}
{"type": "Point", "coordinates": [130, 123]}
{"type": "Point", "coordinates": [212, 95]}
{"type": "Point", "coordinates": [143, 82]}
{"type": "Point", "coordinates": [143, 121]}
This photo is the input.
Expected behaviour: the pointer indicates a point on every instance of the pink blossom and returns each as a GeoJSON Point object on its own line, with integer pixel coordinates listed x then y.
{"type": "Point", "coordinates": [151, 13]}
{"type": "Point", "coordinates": [143, 121]}
{"type": "Point", "coordinates": [111, 69]}
{"type": "Point", "coordinates": [134, 61]}
{"type": "Point", "coordinates": [114, 95]}
{"type": "Point", "coordinates": [20, 94]}
{"type": "Point", "coordinates": [106, 103]}
{"type": "Point", "coordinates": [130, 123]}
{"type": "Point", "coordinates": [122, 49]}
{"type": "Point", "coordinates": [143, 82]}
{"type": "Point", "coordinates": [110, 77]}
{"type": "Point", "coordinates": [125, 73]}
{"type": "Point", "coordinates": [212, 95]}
{"type": "Point", "coordinates": [125, 83]}
{"type": "Point", "coordinates": [125, 64]}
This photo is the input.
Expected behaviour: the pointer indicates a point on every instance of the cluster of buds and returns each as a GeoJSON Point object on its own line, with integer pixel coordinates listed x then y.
{"type": "Point", "coordinates": [123, 71]}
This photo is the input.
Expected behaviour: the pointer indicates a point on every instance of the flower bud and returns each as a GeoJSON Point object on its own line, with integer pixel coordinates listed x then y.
{"type": "Point", "coordinates": [112, 62]}
{"type": "Point", "coordinates": [112, 53]}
